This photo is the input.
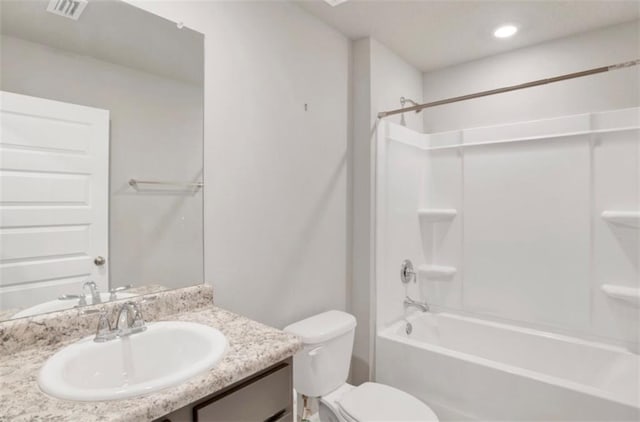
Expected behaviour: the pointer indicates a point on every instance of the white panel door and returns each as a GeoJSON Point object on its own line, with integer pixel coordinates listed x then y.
{"type": "Point", "coordinates": [54, 164]}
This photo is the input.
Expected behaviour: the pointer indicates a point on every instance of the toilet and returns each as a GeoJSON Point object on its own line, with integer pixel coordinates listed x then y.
{"type": "Point", "coordinates": [321, 368]}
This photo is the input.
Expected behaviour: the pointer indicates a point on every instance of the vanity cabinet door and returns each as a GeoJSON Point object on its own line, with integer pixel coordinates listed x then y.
{"type": "Point", "coordinates": [266, 397]}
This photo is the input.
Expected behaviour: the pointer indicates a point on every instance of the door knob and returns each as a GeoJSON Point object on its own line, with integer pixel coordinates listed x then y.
{"type": "Point", "coordinates": [99, 261]}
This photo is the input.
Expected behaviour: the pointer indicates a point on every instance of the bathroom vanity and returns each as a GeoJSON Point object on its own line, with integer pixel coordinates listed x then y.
{"type": "Point", "coordinates": [252, 380]}
{"type": "Point", "coordinates": [265, 396]}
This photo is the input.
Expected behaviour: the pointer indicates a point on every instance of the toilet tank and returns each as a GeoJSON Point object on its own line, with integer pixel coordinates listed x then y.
{"type": "Point", "coordinates": [323, 364]}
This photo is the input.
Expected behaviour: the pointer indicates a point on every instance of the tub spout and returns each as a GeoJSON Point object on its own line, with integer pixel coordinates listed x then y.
{"type": "Point", "coordinates": [410, 303]}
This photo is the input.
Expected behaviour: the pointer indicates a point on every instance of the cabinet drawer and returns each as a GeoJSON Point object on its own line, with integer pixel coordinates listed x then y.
{"type": "Point", "coordinates": [267, 397]}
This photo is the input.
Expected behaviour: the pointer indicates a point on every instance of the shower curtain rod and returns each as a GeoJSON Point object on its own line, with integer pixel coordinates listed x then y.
{"type": "Point", "coordinates": [539, 82]}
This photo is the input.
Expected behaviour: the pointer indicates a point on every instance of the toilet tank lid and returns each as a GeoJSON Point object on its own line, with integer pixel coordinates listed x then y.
{"type": "Point", "coordinates": [322, 327]}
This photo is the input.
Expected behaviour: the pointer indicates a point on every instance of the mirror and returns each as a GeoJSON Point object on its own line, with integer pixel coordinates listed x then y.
{"type": "Point", "coordinates": [101, 144]}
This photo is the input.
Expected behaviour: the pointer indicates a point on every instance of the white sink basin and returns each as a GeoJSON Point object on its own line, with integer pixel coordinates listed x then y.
{"type": "Point", "coordinates": [164, 355]}
{"type": "Point", "coordinates": [60, 305]}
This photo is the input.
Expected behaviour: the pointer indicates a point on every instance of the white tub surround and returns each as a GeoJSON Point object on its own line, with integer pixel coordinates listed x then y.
{"type": "Point", "coordinates": [532, 225]}
{"type": "Point", "coordinates": [493, 371]}
{"type": "Point", "coordinates": [628, 294]}
{"type": "Point", "coordinates": [625, 218]}
{"type": "Point", "coordinates": [532, 222]}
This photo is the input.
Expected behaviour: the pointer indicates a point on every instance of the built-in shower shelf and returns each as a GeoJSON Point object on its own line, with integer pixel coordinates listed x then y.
{"type": "Point", "coordinates": [435, 272]}
{"type": "Point", "coordinates": [628, 294]}
{"type": "Point", "coordinates": [625, 218]}
{"type": "Point", "coordinates": [437, 214]}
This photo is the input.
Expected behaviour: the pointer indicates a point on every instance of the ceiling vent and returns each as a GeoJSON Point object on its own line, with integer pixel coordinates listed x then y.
{"type": "Point", "coordinates": [68, 8]}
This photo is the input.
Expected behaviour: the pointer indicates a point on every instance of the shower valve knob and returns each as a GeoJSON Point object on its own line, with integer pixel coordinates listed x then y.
{"type": "Point", "coordinates": [407, 274]}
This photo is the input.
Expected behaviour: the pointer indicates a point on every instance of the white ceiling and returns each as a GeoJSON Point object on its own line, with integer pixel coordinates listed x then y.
{"type": "Point", "coordinates": [435, 34]}
{"type": "Point", "coordinates": [112, 31]}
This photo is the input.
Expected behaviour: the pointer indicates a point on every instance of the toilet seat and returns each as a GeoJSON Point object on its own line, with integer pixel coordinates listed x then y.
{"type": "Point", "coordinates": [378, 402]}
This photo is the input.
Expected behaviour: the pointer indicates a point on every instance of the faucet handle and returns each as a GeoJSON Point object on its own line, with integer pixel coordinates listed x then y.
{"type": "Point", "coordinates": [104, 331]}
{"type": "Point", "coordinates": [131, 317]}
{"type": "Point", "coordinates": [137, 319]}
{"type": "Point", "coordinates": [407, 274]}
{"type": "Point", "coordinates": [114, 292]}
{"type": "Point", "coordinates": [82, 300]}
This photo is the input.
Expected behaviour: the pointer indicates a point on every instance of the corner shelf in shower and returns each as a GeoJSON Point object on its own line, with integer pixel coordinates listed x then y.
{"type": "Point", "coordinates": [625, 218]}
{"type": "Point", "coordinates": [437, 214]}
{"type": "Point", "coordinates": [436, 272]}
{"type": "Point", "coordinates": [628, 294]}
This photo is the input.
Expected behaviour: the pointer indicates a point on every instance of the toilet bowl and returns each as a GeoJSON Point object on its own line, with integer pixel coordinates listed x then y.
{"type": "Point", "coordinates": [321, 368]}
{"type": "Point", "coordinates": [373, 402]}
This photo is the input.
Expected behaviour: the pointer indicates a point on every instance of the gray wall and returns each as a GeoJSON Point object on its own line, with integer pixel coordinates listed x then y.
{"type": "Point", "coordinates": [380, 79]}
{"type": "Point", "coordinates": [603, 47]}
{"type": "Point", "coordinates": [276, 203]}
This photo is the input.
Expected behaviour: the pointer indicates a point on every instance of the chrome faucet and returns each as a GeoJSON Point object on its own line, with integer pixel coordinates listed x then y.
{"type": "Point", "coordinates": [129, 321]}
{"type": "Point", "coordinates": [410, 303]}
{"type": "Point", "coordinates": [93, 290]}
{"type": "Point", "coordinates": [407, 275]}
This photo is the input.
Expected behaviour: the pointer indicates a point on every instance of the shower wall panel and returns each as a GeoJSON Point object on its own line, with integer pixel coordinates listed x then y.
{"type": "Point", "coordinates": [506, 223]}
{"type": "Point", "coordinates": [526, 231]}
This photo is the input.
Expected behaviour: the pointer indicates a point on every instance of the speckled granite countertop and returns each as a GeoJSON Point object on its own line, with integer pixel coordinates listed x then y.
{"type": "Point", "coordinates": [252, 347]}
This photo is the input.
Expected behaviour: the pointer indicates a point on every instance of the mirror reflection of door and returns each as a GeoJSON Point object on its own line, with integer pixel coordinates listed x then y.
{"type": "Point", "coordinates": [54, 164]}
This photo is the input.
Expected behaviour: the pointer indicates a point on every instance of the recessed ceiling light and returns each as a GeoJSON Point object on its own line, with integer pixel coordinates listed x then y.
{"type": "Point", "coordinates": [505, 31]}
{"type": "Point", "coordinates": [334, 3]}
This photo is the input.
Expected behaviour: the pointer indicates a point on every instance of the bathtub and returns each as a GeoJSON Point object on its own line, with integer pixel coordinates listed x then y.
{"type": "Point", "coordinates": [471, 369]}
